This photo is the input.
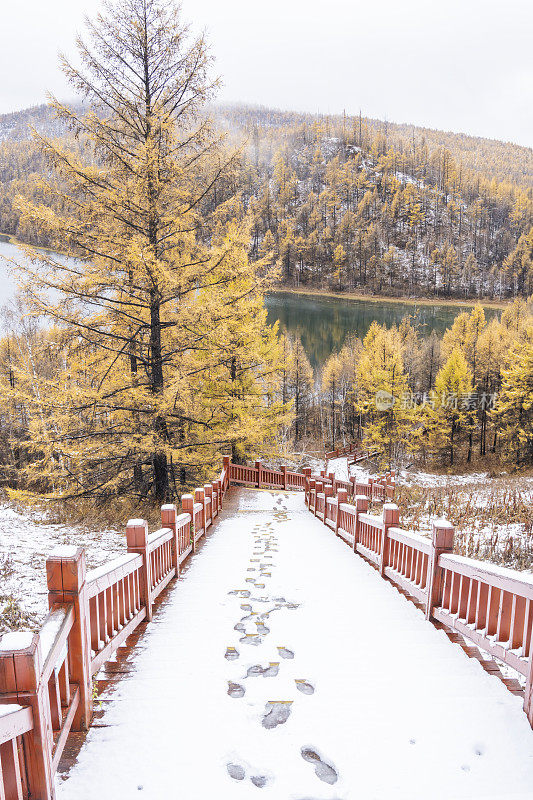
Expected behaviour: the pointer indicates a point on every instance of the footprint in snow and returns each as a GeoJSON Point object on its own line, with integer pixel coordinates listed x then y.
{"type": "Point", "coordinates": [277, 713]}
{"type": "Point", "coordinates": [236, 772]}
{"type": "Point", "coordinates": [231, 654]}
{"type": "Point", "coordinates": [250, 638]}
{"type": "Point", "coordinates": [254, 671]}
{"type": "Point", "coordinates": [235, 689]}
{"type": "Point", "coordinates": [304, 686]}
{"type": "Point", "coordinates": [285, 653]}
{"type": "Point", "coordinates": [249, 616]}
{"type": "Point", "coordinates": [325, 772]}
{"type": "Point", "coordinates": [262, 630]}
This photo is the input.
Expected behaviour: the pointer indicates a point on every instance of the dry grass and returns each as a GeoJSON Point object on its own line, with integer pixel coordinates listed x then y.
{"type": "Point", "coordinates": [493, 521]}
{"type": "Point", "coordinates": [13, 617]}
{"type": "Point", "coordinates": [86, 513]}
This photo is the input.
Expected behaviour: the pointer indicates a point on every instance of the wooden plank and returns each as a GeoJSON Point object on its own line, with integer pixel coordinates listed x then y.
{"type": "Point", "coordinates": [14, 721]}
{"type": "Point", "coordinates": [55, 651]}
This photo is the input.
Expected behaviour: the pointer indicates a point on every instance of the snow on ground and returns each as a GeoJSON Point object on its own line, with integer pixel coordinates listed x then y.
{"type": "Point", "coordinates": [340, 467]}
{"type": "Point", "coordinates": [337, 687]}
{"type": "Point", "coordinates": [429, 479]}
{"type": "Point", "coordinates": [25, 543]}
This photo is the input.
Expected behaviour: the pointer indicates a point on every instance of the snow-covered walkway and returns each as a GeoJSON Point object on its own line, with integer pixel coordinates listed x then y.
{"type": "Point", "coordinates": [283, 665]}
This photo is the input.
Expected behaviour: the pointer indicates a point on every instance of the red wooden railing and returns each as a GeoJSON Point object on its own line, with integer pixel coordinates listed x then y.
{"type": "Point", "coordinates": [46, 678]}
{"type": "Point", "coordinates": [347, 450]}
{"type": "Point", "coordinates": [489, 605]}
{"type": "Point", "coordinates": [15, 723]}
{"type": "Point", "coordinates": [263, 477]}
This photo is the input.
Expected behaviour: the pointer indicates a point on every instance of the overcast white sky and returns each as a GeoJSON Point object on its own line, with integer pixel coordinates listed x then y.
{"type": "Point", "coordinates": [463, 65]}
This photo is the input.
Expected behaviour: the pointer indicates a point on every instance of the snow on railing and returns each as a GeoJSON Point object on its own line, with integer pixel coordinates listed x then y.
{"type": "Point", "coordinates": [492, 606]}
{"type": "Point", "coordinates": [348, 450]}
{"type": "Point", "coordinates": [15, 723]}
{"type": "Point", "coordinates": [116, 606]}
{"type": "Point", "coordinates": [489, 605]}
{"type": "Point", "coordinates": [264, 477]}
{"type": "Point", "coordinates": [92, 614]}
{"type": "Point", "coordinates": [46, 678]}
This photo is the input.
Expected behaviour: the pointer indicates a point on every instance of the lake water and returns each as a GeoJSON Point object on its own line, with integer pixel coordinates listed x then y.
{"type": "Point", "coordinates": [7, 283]}
{"type": "Point", "coordinates": [323, 323]}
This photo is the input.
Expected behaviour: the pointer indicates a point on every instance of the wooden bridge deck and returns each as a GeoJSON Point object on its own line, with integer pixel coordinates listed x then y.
{"type": "Point", "coordinates": [283, 663]}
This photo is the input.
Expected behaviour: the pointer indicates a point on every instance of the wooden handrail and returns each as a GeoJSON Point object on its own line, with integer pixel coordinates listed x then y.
{"type": "Point", "coordinates": [15, 721]}
{"type": "Point", "coordinates": [53, 635]}
{"type": "Point", "coordinates": [490, 605]}
{"type": "Point", "coordinates": [92, 614]}
{"type": "Point", "coordinates": [101, 578]}
{"type": "Point", "coordinates": [16, 725]}
{"type": "Point", "coordinates": [46, 678]}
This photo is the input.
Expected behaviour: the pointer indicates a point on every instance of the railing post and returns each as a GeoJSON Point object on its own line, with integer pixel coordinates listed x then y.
{"type": "Point", "coordinates": [331, 476]}
{"type": "Point", "coordinates": [215, 495]}
{"type": "Point", "coordinates": [168, 520]}
{"type": "Point", "coordinates": [312, 493]}
{"type": "Point", "coordinates": [391, 518]}
{"type": "Point", "coordinates": [528, 693]}
{"type": "Point", "coordinates": [208, 495]}
{"type": "Point", "coordinates": [218, 490]}
{"type": "Point", "coordinates": [199, 498]}
{"type": "Point", "coordinates": [65, 575]}
{"type": "Point", "coordinates": [137, 539]}
{"type": "Point", "coordinates": [328, 492]}
{"type": "Point", "coordinates": [319, 486]}
{"type": "Point", "coordinates": [20, 674]}
{"type": "Point", "coordinates": [307, 473]}
{"type": "Point", "coordinates": [283, 469]}
{"type": "Point", "coordinates": [342, 497]}
{"type": "Point", "coordinates": [442, 535]}
{"type": "Point", "coordinates": [187, 506]}
{"type": "Point", "coordinates": [226, 464]}
{"type": "Point", "coordinates": [361, 507]}
{"type": "Point", "coordinates": [259, 470]}
{"type": "Point", "coordinates": [371, 490]}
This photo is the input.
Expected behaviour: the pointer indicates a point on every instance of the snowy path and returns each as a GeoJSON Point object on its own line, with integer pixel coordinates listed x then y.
{"type": "Point", "coordinates": [336, 688]}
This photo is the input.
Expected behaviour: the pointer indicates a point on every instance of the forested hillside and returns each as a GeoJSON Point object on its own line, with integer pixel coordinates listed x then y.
{"type": "Point", "coordinates": [352, 204]}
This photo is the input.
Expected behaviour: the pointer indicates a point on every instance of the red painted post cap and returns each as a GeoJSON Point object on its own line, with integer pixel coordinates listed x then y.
{"type": "Point", "coordinates": [137, 533]}
{"type": "Point", "coordinates": [168, 515]}
{"type": "Point", "coordinates": [391, 514]}
{"type": "Point", "coordinates": [442, 534]}
{"type": "Point", "coordinates": [361, 503]}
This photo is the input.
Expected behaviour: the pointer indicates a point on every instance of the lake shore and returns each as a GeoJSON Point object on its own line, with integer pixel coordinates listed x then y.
{"type": "Point", "coordinates": [374, 298]}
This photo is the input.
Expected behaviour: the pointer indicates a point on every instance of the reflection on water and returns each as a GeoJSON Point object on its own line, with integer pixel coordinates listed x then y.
{"type": "Point", "coordinates": [323, 323]}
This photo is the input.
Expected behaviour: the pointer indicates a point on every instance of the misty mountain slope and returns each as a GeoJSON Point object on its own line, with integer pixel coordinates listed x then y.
{"type": "Point", "coordinates": [351, 204]}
